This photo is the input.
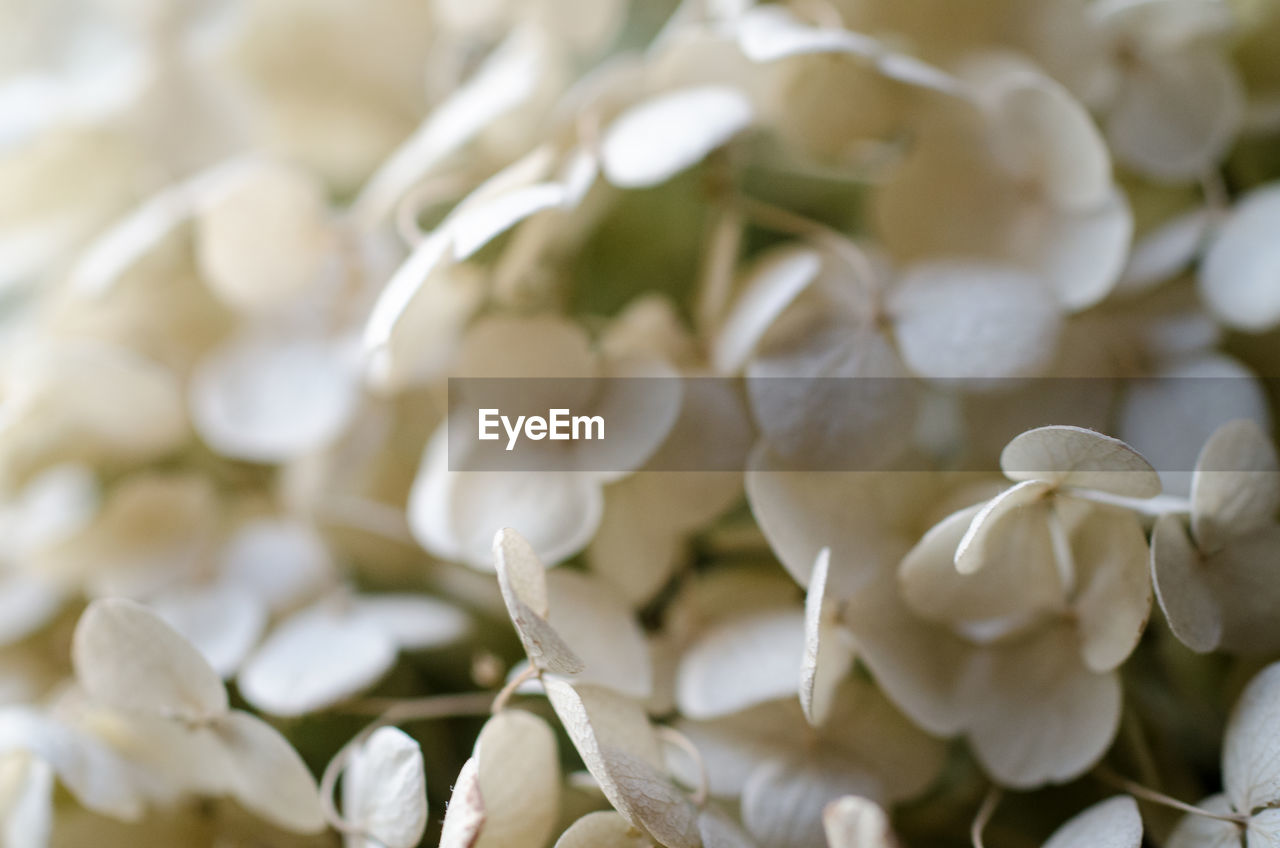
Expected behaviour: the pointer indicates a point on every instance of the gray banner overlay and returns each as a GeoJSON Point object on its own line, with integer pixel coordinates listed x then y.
{"type": "Point", "coordinates": [616, 425]}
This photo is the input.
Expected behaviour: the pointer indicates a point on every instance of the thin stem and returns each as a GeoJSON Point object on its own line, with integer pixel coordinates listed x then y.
{"type": "Point", "coordinates": [420, 197]}
{"type": "Point", "coordinates": [674, 737]}
{"type": "Point", "coordinates": [717, 268]}
{"type": "Point", "coordinates": [421, 709]}
{"type": "Point", "coordinates": [1154, 507]}
{"type": "Point", "coordinates": [786, 221]}
{"type": "Point", "coordinates": [984, 814]}
{"type": "Point", "coordinates": [504, 695]}
{"type": "Point", "coordinates": [1136, 789]}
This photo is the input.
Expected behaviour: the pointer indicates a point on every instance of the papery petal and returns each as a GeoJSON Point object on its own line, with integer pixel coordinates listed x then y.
{"type": "Point", "coordinates": [315, 659]}
{"type": "Point", "coordinates": [660, 137]}
{"type": "Point", "coordinates": [784, 799]}
{"type": "Point", "coordinates": [741, 662]}
{"type": "Point", "coordinates": [126, 657]}
{"type": "Point", "coordinates": [1012, 526]}
{"type": "Point", "coordinates": [1038, 714]}
{"type": "Point", "coordinates": [856, 822]}
{"type": "Point", "coordinates": [272, 400]}
{"type": "Point", "coordinates": [464, 817]}
{"type": "Point", "coordinates": [268, 776]}
{"type": "Point", "coordinates": [1074, 456]}
{"type": "Point", "coordinates": [605, 829]}
{"type": "Point", "coordinates": [1250, 745]}
{"type": "Point", "coordinates": [1236, 487]}
{"type": "Point", "coordinates": [1237, 276]}
{"type": "Point", "coordinates": [280, 561]}
{"type": "Point", "coordinates": [1113, 596]}
{"type": "Point", "coordinates": [601, 631]}
{"type": "Point", "coordinates": [1177, 116]}
{"type": "Point", "coordinates": [518, 773]}
{"type": "Point", "coordinates": [384, 791]}
{"type": "Point", "coordinates": [415, 622]}
{"type": "Point", "coordinates": [828, 653]}
{"type": "Point", "coordinates": [1202, 832]}
{"type": "Point", "coordinates": [957, 321]}
{"type": "Point", "coordinates": [92, 772]}
{"type": "Point", "coordinates": [222, 622]}
{"type": "Point", "coordinates": [265, 237]}
{"type": "Point", "coordinates": [1182, 585]}
{"type": "Point", "coordinates": [771, 285]}
{"type": "Point", "coordinates": [1114, 823]}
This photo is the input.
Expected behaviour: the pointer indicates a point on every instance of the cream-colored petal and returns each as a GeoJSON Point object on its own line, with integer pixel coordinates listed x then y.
{"type": "Point", "coordinates": [1201, 832]}
{"type": "Point", "coordinates": [1114, 593]}
{"type": "Point", "coordinates": [1038, 714]}
{"type": "Point", "coordinates": [1183, 587]}
{"type": "Point", "coordinates": [1114, 823]}
{"type": "Point", "coordinates": [384, 791]}
{"type": "Point", "coordinates": [1251, 746]}
{"type": "Point", "coordinates": [784, 799]}
{"type": "Point", "coordinates": [601, 631]}
{"type": "Point", "coordinates": [828, 650]}
{"type": "Point", "coordinates": [604, 829]}
{"type": "Point", "coordinates": [856, 822]}
{"type": "Point", "coordinates": [126, 657]}
{"type": "Point", "coordinates": [267, 775]}
{"type": "Point", "coordinates": [1242, 261]}
{"type": "Point", "coordinates": [315, 659]}
{"type": "Point", "coordinates": [658, 138]}
{"type": "Point", "coordinates": [742, 662]}
{"type": "Point", "coordinates": [1015, 523]}
{"type": "Point", "coordinates": [464, 817]}
{"type": "Point", "coordinates": [519, 780]}
{"type": "Point", "coordinates": [973, 321]}
{"type": "Point", "coordinates": [771, 284]}
{"type": "Point", "coordinates": [1074, 456]}
{"type": "Point", "coordinates": [1236, 486]}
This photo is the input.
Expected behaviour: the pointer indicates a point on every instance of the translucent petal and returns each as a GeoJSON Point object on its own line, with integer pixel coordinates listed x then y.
{"type": "Point", "coordinates": [508, 77]}
{"type": "Point", "coordinates": [97, 777]}
{"type": "Point", "coordinates": [384, 790]}
{"type": "Point", "coordinates": [1201, 832]}
{"type": "Point", "coordinates": [265, 237]}
{"type": "Point", "coordinates": [1082, 254]}
{"type": "Point", "coordinates": [415, 622]}
{"type": "Point", "coordinates": [601, 631]}
{"type": "Point", "coordinates": [1264, 830]}
{"type": "Point", "coordinates": [741, 662]}
{"type": "Point", "coordinates": [1113, 598]}
{"type": "Point", "coordinates": [272, 400]}
{"type": "Point", "coordinates": [268, 776]}
{"type": "Point", "coordinates": [855, 822]}
{"type": "Point", "coordinates": [465, 815]}
{"type": "Point", "coordinates": [521, 575]}
{"type": "Point", "coordinates": [1038, 715]}
{"type": "Point", "coordinates": [315, 659]}
{"type": "Point", "coordinates": [770, 33]}
{"type": "Point", "coordinates": [1017, 578]}
{"type": "Point", "coordinates": [1014, 524]}
{"type": "Point", "coordinates": [126, 657]}
{"type": "Point", "coordinates": [616, 742]}
{"type": "Point", "coordinates": [519, 780]}
{"type": "Point", "coordinates": [718, 830]}
{"type": "Point", "coordinates": [1241, 264]}
{"type": "Point", "coordinates": [659, 138]}
{"type": "Point", "coordinates": [1114, 823]}
{"type": "Point", "coordinates": [783, 800]}
{"type": "Point", "coordinates": [771, 285]}
{"type": "Point", "coordinates": [1166, 251]}
{"type": "Point", "coordinates": [1074, 456]}
{"type": "Point", "coordinates": [605, 829]}
{"type": "Point", "coordinates": [828, 654]}
{"type": "Point", "coordinates": [1181, 585]}
{"type": "Point", "coordinates": [1236, 487]}
{"type": "Point", "coordinates": [280, 561]}
{"type": "Point", "coordinates": [222, 622]}
{"type": "Point", "coordinates": [958, 320]}
{"type": "Point", "coordinates": [1251, 746]}
{"type": "Point", "coordinates": [1176, 116]}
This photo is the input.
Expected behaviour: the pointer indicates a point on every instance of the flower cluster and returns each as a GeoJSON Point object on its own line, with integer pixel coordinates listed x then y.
{"type": "Point", "coordinates": [939, 502]}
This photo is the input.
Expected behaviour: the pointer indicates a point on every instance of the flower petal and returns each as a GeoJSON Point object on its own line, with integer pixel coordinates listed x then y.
{"type": "Point", "coordinates": [1074, 456]}
{"type": "Point", "coordinates": [657, 139]}
{"type": "Point", "coordinates": [126, 657]}
{"type": "Point", "coordinates": [267, 775]}
{"type": "Point", "coordinates": [1114, 823]}
{"type": "Point", "coordinates": [384, 790]}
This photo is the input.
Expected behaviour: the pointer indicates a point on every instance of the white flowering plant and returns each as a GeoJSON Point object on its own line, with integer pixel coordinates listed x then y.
{"type": "Point", "coordinates": [925, 351]}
